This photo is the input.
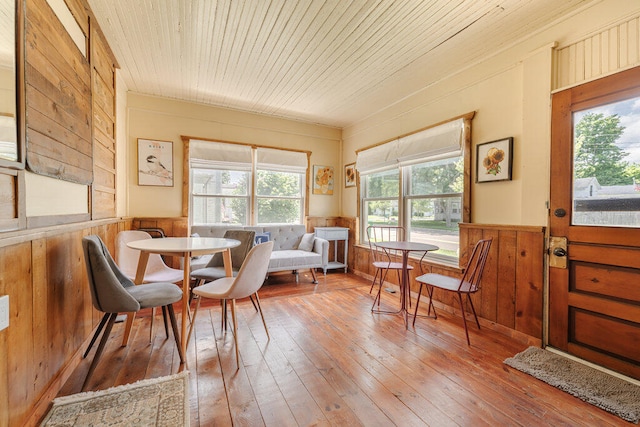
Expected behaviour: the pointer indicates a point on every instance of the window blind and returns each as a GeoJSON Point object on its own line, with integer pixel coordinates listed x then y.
{"type": "Point", "coordinates": [219, 155]}
{"type": "Point", "coordinates": [282, 160]}
{"type": "Point", "coordinates": [430, 144]}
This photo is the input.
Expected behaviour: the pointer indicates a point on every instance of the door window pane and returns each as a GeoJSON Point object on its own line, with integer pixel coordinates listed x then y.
{"type": "Point", "coordinates": [606, 165]}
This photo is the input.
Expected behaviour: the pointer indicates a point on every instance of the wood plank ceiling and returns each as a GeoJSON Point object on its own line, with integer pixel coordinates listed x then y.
{"type": "Point", "coordinates": [332, 62]}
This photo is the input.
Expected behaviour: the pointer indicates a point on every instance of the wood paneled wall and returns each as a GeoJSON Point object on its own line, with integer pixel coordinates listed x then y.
{"type": "Point", "coordinates": [70, 105]}
{"type": "Point", "coordinates": [58, 99]}
{"type": "Point", "coordinates": [511, 297]}
{"type": "Point", "coordinates": [51, 314]}
{"type": "Point", "coordinates": [103, 190]}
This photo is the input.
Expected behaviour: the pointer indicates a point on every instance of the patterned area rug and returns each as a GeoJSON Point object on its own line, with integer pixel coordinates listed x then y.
{"type": "Point", "coordinates": [605, 391]}
{"type": "Point", "coordinates": [160, 401]}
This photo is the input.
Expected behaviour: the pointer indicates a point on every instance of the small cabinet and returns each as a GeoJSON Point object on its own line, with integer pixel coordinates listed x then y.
{"type": "Point", "coordinates": [335, 234]}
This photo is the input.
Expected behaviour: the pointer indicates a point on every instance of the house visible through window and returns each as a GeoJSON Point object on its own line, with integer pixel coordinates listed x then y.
{"type": "Point", "coordinates": [417, 182]}
{"type": "Point", "coordinates": [245, 185]}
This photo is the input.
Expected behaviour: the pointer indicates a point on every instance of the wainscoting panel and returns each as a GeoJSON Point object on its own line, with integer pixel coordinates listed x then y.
{"type": "Point", "coordinates": [50, 317]}
{"type": "Point", "coordinates": [613, 49]}
{"type": "Point", "coordinates": [511, 297]}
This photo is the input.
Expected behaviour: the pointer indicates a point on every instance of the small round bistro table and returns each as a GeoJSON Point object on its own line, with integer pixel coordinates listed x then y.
{"type": "Point", "coordinates": [185, 247]}
{"type": "Point", "coordinates": [405, 291]}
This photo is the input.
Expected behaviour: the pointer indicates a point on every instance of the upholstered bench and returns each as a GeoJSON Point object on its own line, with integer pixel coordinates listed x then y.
{"type": "Point", "coordinates": [293, 248]}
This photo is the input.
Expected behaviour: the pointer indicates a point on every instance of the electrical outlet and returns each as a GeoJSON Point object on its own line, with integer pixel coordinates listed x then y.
{"type": "Point", "coordinates": [4, 312]}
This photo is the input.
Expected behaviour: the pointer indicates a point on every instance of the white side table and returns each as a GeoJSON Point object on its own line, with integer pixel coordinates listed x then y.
{"type": "Point", "coordinates": [335, 234]}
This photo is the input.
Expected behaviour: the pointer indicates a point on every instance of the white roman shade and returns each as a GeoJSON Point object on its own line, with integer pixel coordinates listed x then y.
{"type": "Point", "coordinates": [430, 144]}
{"type": "Point", "coordinates": [282, 160]}
{"type": "Point", "coordinates": [219, 155]}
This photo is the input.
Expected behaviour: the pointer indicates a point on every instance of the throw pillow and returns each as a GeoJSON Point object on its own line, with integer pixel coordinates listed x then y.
{"type": "Point", "coordinates": [306, 244]}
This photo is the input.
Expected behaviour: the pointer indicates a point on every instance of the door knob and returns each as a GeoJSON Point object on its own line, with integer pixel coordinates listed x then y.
{"type": "Point", "coordinates": [560, 212]}
{"type": "Point", "coordinates": [559, 252]}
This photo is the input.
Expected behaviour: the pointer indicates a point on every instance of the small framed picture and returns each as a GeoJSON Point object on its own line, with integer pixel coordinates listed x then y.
{"type": "Point", "coordinates": [155, 162]}
{"type": "Point", "coordinates": [350, 175]}
{"type": "Point", "coordinates": [494, 160]}
{"type": "Point", "coordinates": [323, 180]}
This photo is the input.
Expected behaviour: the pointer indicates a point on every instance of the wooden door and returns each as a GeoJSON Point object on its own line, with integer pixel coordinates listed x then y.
{"type": "Point", "coordinates": [594, 278]}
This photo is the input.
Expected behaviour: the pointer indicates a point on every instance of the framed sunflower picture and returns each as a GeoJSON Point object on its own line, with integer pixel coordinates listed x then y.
{"type": "Point", "coordinates": [323, 180]}
{"type": "Point", "coordinates": [494, 160]}
{"type": "Point", "coordinates": [350, 175]}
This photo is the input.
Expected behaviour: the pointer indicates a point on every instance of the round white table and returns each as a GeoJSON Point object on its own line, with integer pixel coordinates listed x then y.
{"type": "Point", "coordinates": [405, 248]}
{"type": "Point", "coordinates": [185, 247]}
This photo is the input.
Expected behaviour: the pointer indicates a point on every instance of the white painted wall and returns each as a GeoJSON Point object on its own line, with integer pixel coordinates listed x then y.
{"type": "Point", "coordinates": [167, 120]}
{"type": "Point", "coordinates": [510, 93]}
{"type": "Point", "coordinates": [49, 196]}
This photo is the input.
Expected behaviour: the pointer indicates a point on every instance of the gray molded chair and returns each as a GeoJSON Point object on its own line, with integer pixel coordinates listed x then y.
{"type": "Point", "coordinates": [215, 267]}
{"type": "Point", "coordinates": [247, 283]}
{"type": "Point", "coordinates": [112, 293]}
{"type": "Point", "coordinates": [468, 284]}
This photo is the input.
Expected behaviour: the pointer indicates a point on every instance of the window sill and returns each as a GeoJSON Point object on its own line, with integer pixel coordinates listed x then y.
{"type": "Point", "coordinates": [435, 260]}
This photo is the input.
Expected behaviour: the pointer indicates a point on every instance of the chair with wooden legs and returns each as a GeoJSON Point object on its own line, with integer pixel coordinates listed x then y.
{"type": "Point", "coordinates": [468, 284]}
{"type": "Point", "coordinates": [112, 293]}
{"type": "Point", "coordinates": [215, 267]}
{"type": "Point", "coordinates": [247, 283]}
{"type": "Point", "coordinates": [383, 259]}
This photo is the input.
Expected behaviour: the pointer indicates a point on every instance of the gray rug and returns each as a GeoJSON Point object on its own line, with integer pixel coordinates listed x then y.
{"type": "Point", "coordinates": [591, 385]}
{"type": "Point", "coordinates": [160, 401]}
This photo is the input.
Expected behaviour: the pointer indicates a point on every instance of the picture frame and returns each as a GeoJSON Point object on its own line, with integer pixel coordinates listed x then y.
{"type": "Point", "coordinates": [155, 162]}
{"type": "Point", "coordinates": [350, 175]}
{"type": "Point", "coordinates": [323, 180]}
{"type": "Point", "coordinates": [494, 160]}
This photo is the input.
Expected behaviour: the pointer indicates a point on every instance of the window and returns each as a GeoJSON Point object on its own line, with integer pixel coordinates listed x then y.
{"type": "Point", "coordinates": [432, 199]}
{"type": "Point", "coordinates": [606, 165]}
{"type": "Point", "coordinates": [219, 196]}
{"type": "Point", "coordinates": [418, 182]}
{"type": "Point", "coordinates": [245, 185]}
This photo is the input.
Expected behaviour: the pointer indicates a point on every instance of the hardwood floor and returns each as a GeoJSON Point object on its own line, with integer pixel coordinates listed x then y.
{"type": "Point", "coordinates": [330, 361]}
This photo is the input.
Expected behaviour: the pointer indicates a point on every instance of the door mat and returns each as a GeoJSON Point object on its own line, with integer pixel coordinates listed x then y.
{"type": "Point", "coordinates": [160, 401]}
{"type": "Point", "coordinates": [598, 388]}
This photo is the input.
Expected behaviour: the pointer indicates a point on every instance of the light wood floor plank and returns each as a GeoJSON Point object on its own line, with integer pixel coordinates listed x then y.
{"type": "Point", "coordinates": [331, 362]}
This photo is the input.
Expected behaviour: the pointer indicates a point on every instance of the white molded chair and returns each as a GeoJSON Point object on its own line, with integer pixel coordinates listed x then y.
{"type": "Point", "coordinates": [157, 270]}
{"type": "Point", "coordinates": [215, 267]}
{"type": "Point", "coordinates": [127, 260]}
{"type": "Point", "coordinates": [247, 283]}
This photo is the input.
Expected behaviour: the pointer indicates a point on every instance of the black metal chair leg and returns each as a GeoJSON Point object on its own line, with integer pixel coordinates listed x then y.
{"type": "Point", "coordinates": [415, 313]}
{"type": "Point", "coordinates": [176, 333]}
{"type": "Point", "coordinates": [103, 321]}
{"type": "Point", "coordinates": [253, 302]}
{"type": "Point", "coordinates": [474, 310]}
{"type": "Point", "coordinates": [164, 317]}
{"type": "Point", "coordinates": [464, 318]}
{"type": "Point", "coordinates": [103, 342]}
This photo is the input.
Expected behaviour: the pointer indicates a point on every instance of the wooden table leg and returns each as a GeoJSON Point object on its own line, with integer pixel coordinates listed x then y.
{"type": "Point", "coordinates": [185, 303]}
{"type": "Point", "coordinates": [226, 258]}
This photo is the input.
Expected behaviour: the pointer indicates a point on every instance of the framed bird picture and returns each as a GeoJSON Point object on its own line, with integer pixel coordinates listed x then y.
{"type": "Point", "coordinates": [155, 162]}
